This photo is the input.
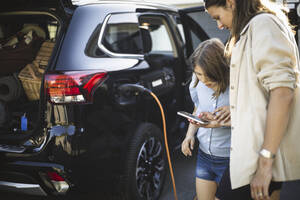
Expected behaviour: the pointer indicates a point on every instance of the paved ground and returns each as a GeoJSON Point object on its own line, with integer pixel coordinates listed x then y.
{"type": "Point", "coordinates": [184, 171]}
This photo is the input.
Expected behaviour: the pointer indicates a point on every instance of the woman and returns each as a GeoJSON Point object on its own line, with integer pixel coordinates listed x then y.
{"type": "Point", "coordinates": [264, 96]}
{"type": "Point", "coordinates": [209, 91]}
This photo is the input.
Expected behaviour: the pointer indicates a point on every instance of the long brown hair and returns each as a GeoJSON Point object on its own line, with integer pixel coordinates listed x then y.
{"type": "Point", "coordinates": [244, 11]}
{"type": "Point", "coordinates": [209, 55]}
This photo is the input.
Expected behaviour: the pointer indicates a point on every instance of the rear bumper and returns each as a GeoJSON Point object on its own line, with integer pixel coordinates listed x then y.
{"type": "Point", "coordinates": [31, 189]}
{"type": "Point", "coordinates": [31, 178]}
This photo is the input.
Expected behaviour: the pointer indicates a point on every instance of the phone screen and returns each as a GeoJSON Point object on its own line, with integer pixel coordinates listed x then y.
{"type": "Point", "coordinates": [192, 117]}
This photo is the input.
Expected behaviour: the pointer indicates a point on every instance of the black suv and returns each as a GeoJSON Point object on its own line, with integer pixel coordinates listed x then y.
{"type": "Point", "coordinates": [69, 121]}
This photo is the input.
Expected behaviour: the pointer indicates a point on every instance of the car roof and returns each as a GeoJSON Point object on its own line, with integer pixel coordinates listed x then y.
{"type": "Point", "coordinates": [32, 4]}
{"type": "Point", "coordinates": [150, 5]}
{"type": "Point", "coordinates": [13, 5]}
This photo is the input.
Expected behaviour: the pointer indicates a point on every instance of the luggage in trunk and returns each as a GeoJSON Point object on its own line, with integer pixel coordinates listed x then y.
{"type": "Point", "coordinates": [31, 75]}
{"type": "Point", "coordinates": [18, 51]}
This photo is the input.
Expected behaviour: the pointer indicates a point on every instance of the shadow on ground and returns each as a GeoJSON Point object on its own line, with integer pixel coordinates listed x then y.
{"type": "Point", "coordinates": [184, 171]}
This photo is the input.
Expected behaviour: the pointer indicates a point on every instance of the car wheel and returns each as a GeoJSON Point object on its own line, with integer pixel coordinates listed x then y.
{"type": "Point", "coordinates": [146, 163]}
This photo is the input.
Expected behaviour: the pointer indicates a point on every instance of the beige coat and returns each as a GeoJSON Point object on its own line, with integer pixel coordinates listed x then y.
{"type": "Point", "coordinates": [265, 57]}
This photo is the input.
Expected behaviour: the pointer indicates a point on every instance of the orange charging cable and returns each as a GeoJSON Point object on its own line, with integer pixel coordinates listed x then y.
{"type": "Point", "coordinates": [166, 143]}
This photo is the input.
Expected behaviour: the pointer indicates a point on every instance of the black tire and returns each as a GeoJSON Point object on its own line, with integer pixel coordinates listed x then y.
{"type": "Point", "coordinates": [146, 165]}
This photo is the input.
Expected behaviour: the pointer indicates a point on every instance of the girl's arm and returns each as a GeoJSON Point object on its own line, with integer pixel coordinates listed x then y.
{"type": "Point", "coordinates": [188, 143]}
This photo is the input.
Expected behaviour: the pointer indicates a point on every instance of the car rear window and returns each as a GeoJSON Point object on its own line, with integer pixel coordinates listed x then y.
{"type": "Point", "coordinates": [122, 34]}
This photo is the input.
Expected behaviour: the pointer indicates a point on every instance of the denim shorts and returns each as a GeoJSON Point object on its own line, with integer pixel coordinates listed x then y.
{"type": "Point", "coordinates": [210, 167]}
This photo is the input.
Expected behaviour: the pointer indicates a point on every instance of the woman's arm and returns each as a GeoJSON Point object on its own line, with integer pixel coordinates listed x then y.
{"type": "Point", "coordinates": [277, 117]}
{"type": "Point", "coordinates": [276, 124]}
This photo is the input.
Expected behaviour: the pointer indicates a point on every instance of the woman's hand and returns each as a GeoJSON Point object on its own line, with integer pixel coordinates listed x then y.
{"type": "Point", "coordinates": [222, 114]}
{"type": "Point", "coordinates": [188, 145]}
{"type": "Point", "coordinates": [261, 180]}
{"type": "Point", "coordinates": [208, 116]}
{"type": "Point", "coordinates": [211, 118]}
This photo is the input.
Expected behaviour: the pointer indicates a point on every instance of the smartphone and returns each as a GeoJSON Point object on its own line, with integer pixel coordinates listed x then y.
{"type": "Point", "coordinates": [192, 117]}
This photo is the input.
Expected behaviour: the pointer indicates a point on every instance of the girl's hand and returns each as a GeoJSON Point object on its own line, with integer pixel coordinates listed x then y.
{"type": "Point", "coordinates": [204, 115]}
{"type": "Point", "coordinates": [188, 145]}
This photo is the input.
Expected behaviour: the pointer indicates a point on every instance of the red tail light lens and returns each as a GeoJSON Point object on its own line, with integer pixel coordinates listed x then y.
{"type": "Point", "coordinates": [73, 87]}
{"type": "Point", "coordinates": [59, 183]}
{"type": "Point", "coordinates": [55, 177]}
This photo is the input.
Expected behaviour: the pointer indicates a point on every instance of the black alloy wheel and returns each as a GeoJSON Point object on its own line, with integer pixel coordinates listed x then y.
{"type": "Point", "coordinates": [147, 164]}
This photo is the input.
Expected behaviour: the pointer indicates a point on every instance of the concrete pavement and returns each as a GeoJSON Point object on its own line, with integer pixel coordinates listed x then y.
{"type": "Point", "coordinates": [184, 173]}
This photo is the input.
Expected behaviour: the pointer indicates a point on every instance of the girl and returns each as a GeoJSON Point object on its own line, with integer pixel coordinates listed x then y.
{"type": "Point", "coordinates": [209, 91]}
{"type": "Point", "coordinates": [264, 97]}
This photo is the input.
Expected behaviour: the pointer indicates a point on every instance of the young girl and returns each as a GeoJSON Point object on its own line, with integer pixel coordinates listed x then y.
{"type": "Point", "coordinates": [264, 97]}
{"type": "Point", "coordinates": [209, 91]}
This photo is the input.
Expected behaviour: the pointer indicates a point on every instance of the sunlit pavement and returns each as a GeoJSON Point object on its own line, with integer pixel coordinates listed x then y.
{"type": "Point", "coordinates": [184, 172]}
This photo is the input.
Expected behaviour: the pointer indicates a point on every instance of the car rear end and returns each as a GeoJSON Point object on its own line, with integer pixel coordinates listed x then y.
{"type": "Point", "coordinates": [30, 34]}
{"type": "Point", "coordinates": [68, 127]}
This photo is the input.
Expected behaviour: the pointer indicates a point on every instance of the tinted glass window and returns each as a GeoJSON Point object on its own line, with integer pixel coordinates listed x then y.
{"type": "Point", "coordinates": [180, 30]}
{"type": "Point", "coordinates": [159, 35]}
{"type": "Point", "coordinates": [122, 34]}
{"type": "Point", "coordinates": [129, 33]}
{"type": "Point", "coordinates": [195, 40]}
{"type": "Point", "coordinates": [209, 25]}
{"type": "Point", "coordinates": [176, 20]}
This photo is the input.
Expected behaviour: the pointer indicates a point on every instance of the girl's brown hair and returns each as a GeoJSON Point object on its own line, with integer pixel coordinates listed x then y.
{"type": "Point", "coordinates": [244, 11]}
{"type": "Point", "coordinates": [209, 55]}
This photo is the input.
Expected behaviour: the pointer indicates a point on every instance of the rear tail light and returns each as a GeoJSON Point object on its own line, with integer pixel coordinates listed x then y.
{"type": "Point", "coordinates": [53, 176]}
{"type": "Point", "coordinates": [73, 87]}
{"type": "Point", "coordinates": [59, 183]}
